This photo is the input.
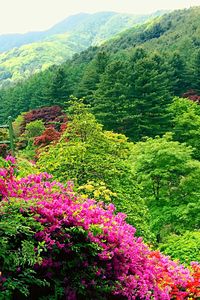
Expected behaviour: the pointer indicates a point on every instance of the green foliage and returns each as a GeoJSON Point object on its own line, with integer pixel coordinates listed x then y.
{"type": "Point", "coordinates": [185, 118]}
{"type": "Point", "coordinates": [196, 76]}
{"type": "Point", "coordinates": [129, 84]}
{"type": "Point", "coordinates": [60, 88]}
{"type": "Point", "coordinates": [92, 76]}
{"type": "Point", "coordinates": [26, 140]}
{"type": "Point", "coordinates": [184, 248]}
{"type": "Point", "coordinates": [169, 184]}
{"type": "Point", "coordinates": [180, 74]}
{"type": "Point", "coordinates": [3, 134]}
{"type": "Point", "coordinates": [149, 93]}
{"type": "Point", "coordinates": [87, 153]}
{"type": "Point", "coordinates": [25, 167]}
{"type": "Point", "coordinates": [34, 128]}
{"type": "Point", "coordinates": [29, 152]}
{"type": "Point", "coordinates": [127, 87]}
{"type": "Point", "coordinates": [111, 95]}
{"type": "Point", "coordinates": [17, 248]}
{"type": "Point", "coordinates": [17, 125]}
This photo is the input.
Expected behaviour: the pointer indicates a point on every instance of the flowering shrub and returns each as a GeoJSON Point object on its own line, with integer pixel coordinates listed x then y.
{"type": "Point", "coordinates": [79, 249]}
{"type": "Point", "coordinates": [193, 286]}
{"type": "Point", "coordinates": [192, 290]}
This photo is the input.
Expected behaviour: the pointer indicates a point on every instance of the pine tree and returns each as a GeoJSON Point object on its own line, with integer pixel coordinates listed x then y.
{"type": "Point", "coordinates": [59, 88]}
{"type": "Point", "coordinates": [150, 95]}
{"type": "Point", "coordinates": [89, 83]}
{"type": "Point", "coordinates": [179, 75]}
{"type": "Point", "coordinates": [111, 96]}
{"type": "Point", "coordinates": [197, 72]}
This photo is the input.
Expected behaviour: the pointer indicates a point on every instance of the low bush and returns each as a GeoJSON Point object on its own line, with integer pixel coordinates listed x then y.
{"type": "Point", "coordinates": [55, 245]}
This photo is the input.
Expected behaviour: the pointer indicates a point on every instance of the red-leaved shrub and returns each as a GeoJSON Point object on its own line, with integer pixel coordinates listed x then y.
{"type": "Point", "coordinates": [191, 94]}
{"type": "Point", "coordinates": [51, 115]}
{"type": "Point", "coordinates": [48, 136]}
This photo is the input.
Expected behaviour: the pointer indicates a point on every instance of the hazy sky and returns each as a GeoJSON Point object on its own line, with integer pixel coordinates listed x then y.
{"type": "Point", "coordinates": [30, 15]}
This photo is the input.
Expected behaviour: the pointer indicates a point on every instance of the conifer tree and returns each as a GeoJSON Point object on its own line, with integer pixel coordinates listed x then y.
{"type": "Point", "coordinates": [150, 94]}
{"type": "Point", "coordinates": [111, 96]}
{"type": "Point", "coordinates": [59, 87]}
{"type": "Point", "coordinates": [196, 78]}
{"type": "Point", "coordinates": [180, 76]}
{"type": "Point", "coordinates": [91, 77]}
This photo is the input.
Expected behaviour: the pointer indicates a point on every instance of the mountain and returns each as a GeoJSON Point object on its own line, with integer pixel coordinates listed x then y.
{"type": "Point", "coordinates": [128, 80]}
{"type": "Point", "coordinates": [178, 30]}
{"type": "Point", "coordinates": [10, 41]}
{"type": "Point", "coordinates": [26, 54]}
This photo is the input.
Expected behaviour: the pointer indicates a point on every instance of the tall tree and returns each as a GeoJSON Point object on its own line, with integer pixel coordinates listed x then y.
{"type": "Point", "coordinates": [180, 75]}
{"type": "Point", "coordinates": [169, 180]}
{"type": "Point", "coordinates": [185, 118]}
{"type": "Point", "coordinates": [87, 153]}
{"type": "Point", "coordinates": [150, 94]}
{"type": "Point", "coordinates": [59, 88]}
{"type": "Point", "coordinates": [197, 71]}
{"type": "Point", "coordinates": [91, 76]}
{"type": "Point", "coordinates": [111, 96]}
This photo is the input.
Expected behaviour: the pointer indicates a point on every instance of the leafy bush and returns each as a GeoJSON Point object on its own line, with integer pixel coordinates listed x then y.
{"type": "Point", "coordinates": [47, 114]}
{"type": "Point", "coordinates": [26, 167]}
{"type": "Point", "coordinates": [34, 128]}
{"type": "Point", "coordinates": [29, 151]}
{"type": "Point", "coordinates": [80, 249]}
{"type": "Point", "coordinates": [17, 125]}
{"type": "Point", "coordinates": [19, 251]}
{"type": "Point", "coordinates": [3, 150]}
{"type": "Point", "coordinates": [185, 116]}
{"type": "Point", "coordinates": [185, 247]}
{"type": "Point", "coordinates": [49, 135]}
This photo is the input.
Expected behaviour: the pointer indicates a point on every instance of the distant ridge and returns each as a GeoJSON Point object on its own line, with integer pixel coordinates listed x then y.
{"type": "Point", "coordinates": [25, 54]}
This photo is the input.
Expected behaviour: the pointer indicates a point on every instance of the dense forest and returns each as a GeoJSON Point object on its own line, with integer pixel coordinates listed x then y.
{"type": "Point", "coordinates": [147, 61]}
{"type": "Point", "coordinates": [118, 123]}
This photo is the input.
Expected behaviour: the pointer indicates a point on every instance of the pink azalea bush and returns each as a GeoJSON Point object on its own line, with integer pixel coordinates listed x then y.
{"type": "Point", "coordinates": [86, 250]}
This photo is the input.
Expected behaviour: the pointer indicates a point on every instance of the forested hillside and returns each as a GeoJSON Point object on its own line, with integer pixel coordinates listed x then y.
{"type": "Point", "coordinates": [24, 55]}
{"type": "Point", "coordinates": [103, 198]}
{"type": "Point", "coordinates": [119, 79]}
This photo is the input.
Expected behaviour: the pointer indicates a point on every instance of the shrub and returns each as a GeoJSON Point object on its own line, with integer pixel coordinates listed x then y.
{"type": "Point", "coordinates": [51, 114]}
{"type": "Point", "coordinates": [3, 150]}
{"type": "Point", "coordinates": [34, 128]}
{"type": "Point", "coordinates": [81, 249]}
{"type": "Point", "coordinates": [183, 247]}
{"type": "Point", "coordinates": [49, 135]}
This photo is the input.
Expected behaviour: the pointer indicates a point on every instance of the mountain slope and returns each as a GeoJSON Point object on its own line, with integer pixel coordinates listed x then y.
{"type": "Point", "coordinates": [128, 81]}
{"type": "Point", "coordinates": [75, 34]}
{"type": "Point", "coordinates": [9, 41]}
{"type": "Point", "coordinates": [179, 30]}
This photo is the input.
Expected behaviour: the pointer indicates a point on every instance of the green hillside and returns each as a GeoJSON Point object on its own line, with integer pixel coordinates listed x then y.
{"type": "Point", "coordinates": [75, 34]}
{"type": "Point", "coordinates": [158, 59]}
{"type": "Point", "coordinates": [179, 30]}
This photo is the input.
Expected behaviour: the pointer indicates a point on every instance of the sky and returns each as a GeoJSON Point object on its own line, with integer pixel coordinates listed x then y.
{"type": "Point", "coordinates": [34, 15]}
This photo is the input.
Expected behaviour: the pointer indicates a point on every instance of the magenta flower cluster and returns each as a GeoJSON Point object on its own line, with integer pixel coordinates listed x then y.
{"type": "Point", "coordinates": [118, 258]}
